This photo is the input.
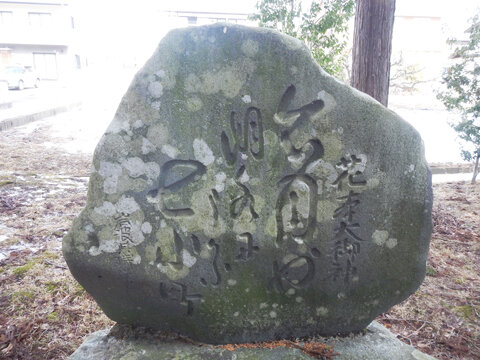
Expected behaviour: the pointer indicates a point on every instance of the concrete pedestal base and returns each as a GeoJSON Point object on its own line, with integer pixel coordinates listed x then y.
{"type": "Point", "coordinates": [376, 343]}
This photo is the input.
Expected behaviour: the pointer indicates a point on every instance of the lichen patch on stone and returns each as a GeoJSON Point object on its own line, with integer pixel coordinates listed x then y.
{"type": "Point", "coordinates": [126, 205]}
{"type": "Point", "coordinates": [155, 89]}
{"type": "Point", "coordinates": [202, 152]}
{"type": "Point", "coordinates": [250, 47]}
{"type": "Point", "coordinates": [379, 237]}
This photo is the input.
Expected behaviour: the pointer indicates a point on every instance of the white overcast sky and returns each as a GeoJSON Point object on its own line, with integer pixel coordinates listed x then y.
{"type": "Point", "coordinates": [138, 25]}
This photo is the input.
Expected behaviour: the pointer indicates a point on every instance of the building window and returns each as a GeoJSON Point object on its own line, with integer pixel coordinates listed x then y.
{"type": "Point", "coordinates": [37, 19]}
{"type": "Point", "coordinates": [6, 17]}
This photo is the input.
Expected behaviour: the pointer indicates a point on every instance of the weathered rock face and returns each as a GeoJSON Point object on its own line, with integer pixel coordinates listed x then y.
{"type": "Point", "coordinates": [242, 194]}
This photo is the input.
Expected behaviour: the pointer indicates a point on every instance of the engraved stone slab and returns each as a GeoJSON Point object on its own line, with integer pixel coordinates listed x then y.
{"type": "Point", "coordinates": [242, 194]}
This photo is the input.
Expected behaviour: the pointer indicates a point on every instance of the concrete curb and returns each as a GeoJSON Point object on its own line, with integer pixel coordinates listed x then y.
{"type": "Point", "coordinates": [27, 118]}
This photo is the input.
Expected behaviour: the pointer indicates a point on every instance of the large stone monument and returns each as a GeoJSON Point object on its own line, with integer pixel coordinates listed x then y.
{"type": "Point", "coordinates": [242, 194]}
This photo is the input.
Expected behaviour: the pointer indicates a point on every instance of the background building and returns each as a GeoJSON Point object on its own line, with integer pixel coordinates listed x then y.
{"type": "Point", "coordinates": [39, 34]}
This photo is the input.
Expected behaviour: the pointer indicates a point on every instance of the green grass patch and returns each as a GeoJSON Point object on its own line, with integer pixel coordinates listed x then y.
{"type": "Point", "coordinates": [6, 182]}
{"type": "Point", "coordinates": [431, 271]}
{"type": "Point", "coordinates": [49, 255]}
{"type": "Point", "coordinates": [465, 311]}
{"type": "Point", "coordinates": [53, 316]}
{"type": "Point", "coordinates": [23, 295]}
{"type": "Point", "coordinates": [79, 290]}
{"type": "Point", "coordinates": [51, 286]}
{"type": "Point", "coordinates": [22, 270]}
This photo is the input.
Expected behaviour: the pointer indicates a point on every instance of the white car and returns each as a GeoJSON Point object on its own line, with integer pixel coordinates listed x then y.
{"type": "Point", "coordinates": [19, 77]}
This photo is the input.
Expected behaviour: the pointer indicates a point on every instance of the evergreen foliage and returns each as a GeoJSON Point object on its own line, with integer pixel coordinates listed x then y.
{"type": "Point", "coordinates": [462, 92]}
{"type": "Point", "coordinates": [323, 28]}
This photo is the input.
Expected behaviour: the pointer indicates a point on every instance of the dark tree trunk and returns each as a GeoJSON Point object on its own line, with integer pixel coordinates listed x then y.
{"type": "Point", "coordinates": [372, 47]}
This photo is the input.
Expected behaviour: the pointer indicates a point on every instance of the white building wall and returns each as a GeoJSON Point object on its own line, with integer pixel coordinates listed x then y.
{"type": "Point", "coordinates": [37, 34]}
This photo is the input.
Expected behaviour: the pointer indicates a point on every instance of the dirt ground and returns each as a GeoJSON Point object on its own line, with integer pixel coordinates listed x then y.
{"type": "Point", "coordinates": [45, 314]}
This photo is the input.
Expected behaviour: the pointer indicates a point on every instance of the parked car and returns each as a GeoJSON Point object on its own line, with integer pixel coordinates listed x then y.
{"type": "Point", "coordinates": [19, 77]}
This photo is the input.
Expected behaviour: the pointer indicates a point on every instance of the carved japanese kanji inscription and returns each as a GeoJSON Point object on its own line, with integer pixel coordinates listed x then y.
{"type": "Point", "coordinates": [242, 194]}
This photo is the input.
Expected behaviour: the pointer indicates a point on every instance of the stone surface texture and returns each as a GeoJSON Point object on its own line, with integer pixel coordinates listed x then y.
{"type": "Point", "coordinates": [377, 343]}
{"type": "Point", "coordinates": [242, 194]}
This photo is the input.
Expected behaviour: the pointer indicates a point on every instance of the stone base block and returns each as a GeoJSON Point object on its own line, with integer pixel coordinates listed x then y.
{"type": "Point", "coordinates": [376, 342]}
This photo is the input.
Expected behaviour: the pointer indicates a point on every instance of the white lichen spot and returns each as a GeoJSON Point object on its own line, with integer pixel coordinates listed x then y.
{"type": "Point", "coordinates": [249, 47]}
{"type": "Point", "coordinates": [341, 295]}
{"type": "Point", "coordinates": [232, 282]}
{"type": "Point", "coordinates": [321, 311]}
{"type": "Point", "coordinates": [220, 179]}
{"type": "Point", "coordinates": [160, 73]}
{"type": "Point", "coordinates": [108, 169]}
{"type": "Point", "coordinates": [246, 99]}
{"type": "Point", "coordinates": [147, 146]}
{"type": "Point", "coordinates": [126, 205]}
{"type": "Point", "coordinates": [328, 101]}
{"type": "Point", "coordinates": [244, 178]}
{"type": "Point", "coordinates": [117, 126]}
{"type": "Point", "coordinates": [263, 305]}
{"type": "Point", "coordinates": [194, 104]}
{"type": "Point", "coordinates": [244, 156]}
{"type": "Point", "coordinates": [291, 291]}
{"type": "Point", "coordinates": [273, 314]}
{"type": "Point", "coordinates": [89, 228]}
{"type": "Point", "coordinates": [137, 124]}
{"type": "Point", "coordinates": [155, 105]}
{"type": "Point", "coordinates": [146, 228]}
{"type": "Point", "coordinates": [107, 209]}
{"type": "Point", "coordinates": [94, 251]}
{"type": "Point", "coordinates": [134, 166]}
{"type": "Point", "coordinates": [155, 89]}
{"type": "Point", "coordinates": [247, 290]}
{"type": "Point", "coordinates": [137, 260]}
{"type": "Point", "coordinates": [170, 151]}
{"type": "Point", "coordinates": [110, 185]}
{"type": "Point", "coordinates": [294, 70]}
{"type": "Point", "coordinates": [297, 160]}
{"type": "Point", "coordinates": [152, 170]}
{"type": "Point", "coordinates": [188, 259]}
{"type": "Point", "coordinates": [298, 299]}
{"type": "Point", "coordinates": [274, 305]}
{"type": "Point", "coordinates": [236, 313]}
{"type": "Point", "coordinates": [109, 246]}
{"type": "Point", "coordinates": [110, 172]}
{"type": "Point", "coordinates": [163, 223]}
{"type": "Point", "coordinates": [158, 135]}
{"type": "Point", "coordinates": [202, 152]}
{"type": "Point", "coordinates": [391, 243]}
{"type": "Point", "coordinates": [373, 183]}
{"type": "Point", "coordinates": [379, 237]}
{"type": "Point", "coordinates": [224, 29]}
